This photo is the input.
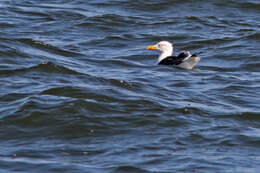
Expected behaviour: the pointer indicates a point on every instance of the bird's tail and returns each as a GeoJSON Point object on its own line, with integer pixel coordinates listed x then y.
{"type": "Point", "coordinates": [196, 54]}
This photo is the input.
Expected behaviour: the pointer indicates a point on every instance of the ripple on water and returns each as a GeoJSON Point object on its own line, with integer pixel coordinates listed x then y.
{"type": "Point", "coordinates": [80, 92]}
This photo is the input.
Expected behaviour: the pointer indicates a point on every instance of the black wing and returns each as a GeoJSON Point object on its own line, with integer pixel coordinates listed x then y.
{"type": "Point", "coordinates": [175, 60]}
{"type": "Point", "coordinates": [170, 60]}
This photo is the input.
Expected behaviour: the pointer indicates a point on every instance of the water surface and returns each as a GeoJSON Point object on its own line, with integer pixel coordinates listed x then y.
{"type": "Point", "coordinates": [80, 93]}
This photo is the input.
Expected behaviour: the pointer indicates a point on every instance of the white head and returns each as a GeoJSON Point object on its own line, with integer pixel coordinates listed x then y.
{"type": "Point", "coordinates": [165, 47]}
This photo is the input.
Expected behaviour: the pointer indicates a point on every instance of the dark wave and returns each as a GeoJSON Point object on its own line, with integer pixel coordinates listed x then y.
{"type": "Point", "coordinates": [129, 169]}
{"type": "Point", "coordinates": [47, 47]}
{"type": "Point", "coordinates": [47, 67]}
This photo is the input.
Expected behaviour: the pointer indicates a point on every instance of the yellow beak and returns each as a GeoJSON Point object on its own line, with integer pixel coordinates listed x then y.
{"type": "Point", "coordinates": [152, 47]}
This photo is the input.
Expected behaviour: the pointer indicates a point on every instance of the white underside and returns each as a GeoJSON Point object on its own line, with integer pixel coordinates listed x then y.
{"type": "Point", "coordinates": [189, 63]}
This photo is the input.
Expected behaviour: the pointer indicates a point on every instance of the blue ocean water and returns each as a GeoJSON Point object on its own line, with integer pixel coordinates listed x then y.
{"type": "Point", "coordinates": [80, 92]}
